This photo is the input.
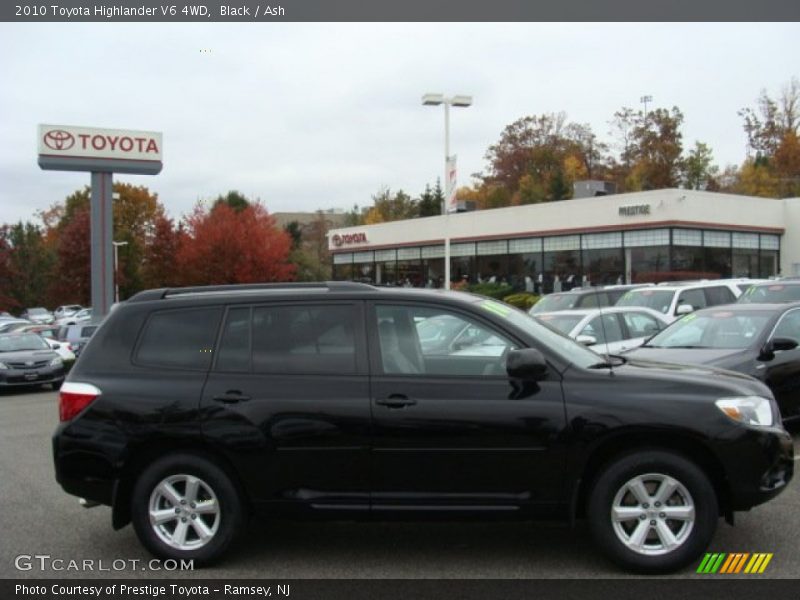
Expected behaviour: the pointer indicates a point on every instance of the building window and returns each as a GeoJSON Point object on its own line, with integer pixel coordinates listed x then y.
{"type": "Point", "coordinates": [770, 242]}
{"type": "Point", "coordinates": [687, 237]}
{"type": "Point", "coordinates": [716, 239]}
{"type": "Point", "coordinates": [462, 249]}
{"type": "Point", "coordinates": [490, 248]}
{"type": "Point", "coordinates": [745, 240]}
{"type": "Point", "coordinates": [647, 237]}
{"type": "Point", "coordinates": [343, 259]}
{"type": "Point", "coordinates": [592, 241]}
{"type": "Point", "coordinates": [648, 263]}
{"type": "Point", "coordinates": [433, 251]}
{"type": "Point", "coordinates": [525, 246]}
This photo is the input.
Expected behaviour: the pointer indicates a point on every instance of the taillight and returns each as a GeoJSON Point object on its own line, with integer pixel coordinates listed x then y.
{"type": "Point", "coordinates": [74, 397]}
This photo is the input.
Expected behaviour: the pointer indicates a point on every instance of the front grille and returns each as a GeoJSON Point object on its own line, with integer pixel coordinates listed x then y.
{"type": "Point", "coordinates": [24, 365]}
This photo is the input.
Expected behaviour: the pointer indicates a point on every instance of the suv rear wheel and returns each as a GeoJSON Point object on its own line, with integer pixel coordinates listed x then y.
{"type": "Point", "coordinates": [186, 507]}
{"type": "Point", "coordinates": [653, 511]}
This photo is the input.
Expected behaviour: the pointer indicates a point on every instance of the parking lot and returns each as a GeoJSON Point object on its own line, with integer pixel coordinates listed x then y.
{"type": "Point", "coordinates": [39, 519]}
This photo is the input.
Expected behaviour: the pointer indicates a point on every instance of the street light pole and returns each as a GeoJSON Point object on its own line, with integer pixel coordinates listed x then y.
{"type": "Point", "coordinates": [116, 268]}
{"type": "Point", "coordinates": [644, 100]}
{"type": "Point", "coordinates": [436, 100]}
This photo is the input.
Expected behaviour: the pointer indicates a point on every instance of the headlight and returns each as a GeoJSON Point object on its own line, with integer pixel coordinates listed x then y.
{"type": "Point", "coordinates": [3, 366]}
{"type": "Point", "coordinates": [749, 410]}
{"type": "Point", "coordinates": [56, 362]}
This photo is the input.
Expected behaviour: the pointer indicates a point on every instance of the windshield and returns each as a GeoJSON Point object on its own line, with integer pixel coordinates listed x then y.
{"type": "Point", "coordinates": [37, 311]}
{"type": "Point", "coordinates": [721, 329]}
{"type": "Point", "coordinates": [16, 343]}
{"type": "Point", "coordinates": [565, 347]}
{"type": "Point", "coordinates": [659, 300]}
{"type": "Point", "coordinates": [564, 323]}
{"type": "Point", "coordinates": [554, 302]}
{"type": "Point", "coordinates": [777, 292]}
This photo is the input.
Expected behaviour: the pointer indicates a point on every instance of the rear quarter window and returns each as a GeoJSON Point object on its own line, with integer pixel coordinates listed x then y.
{"type": "Point", "coordinates": [179, 339]}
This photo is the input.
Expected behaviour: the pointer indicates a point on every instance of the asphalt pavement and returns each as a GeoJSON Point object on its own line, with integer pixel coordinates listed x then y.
{"type": "Point", "coordinates": [38, 519]}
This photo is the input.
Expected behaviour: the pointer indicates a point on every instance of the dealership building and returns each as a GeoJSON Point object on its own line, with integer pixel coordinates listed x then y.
{"type": "Point", "coordinates": [649, 236]}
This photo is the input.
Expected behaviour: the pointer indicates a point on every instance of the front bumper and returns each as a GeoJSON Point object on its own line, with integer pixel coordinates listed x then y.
{"type": "Point", "coordinates": [759, 466]}
{"type": "Point", "coordinates": [20, 377]}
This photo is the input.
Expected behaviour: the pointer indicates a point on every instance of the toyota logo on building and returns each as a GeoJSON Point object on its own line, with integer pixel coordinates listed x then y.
{"type": "Point", "coordinates": [349, 238]}
{"type": "Point", "coordinates": [58, 139]}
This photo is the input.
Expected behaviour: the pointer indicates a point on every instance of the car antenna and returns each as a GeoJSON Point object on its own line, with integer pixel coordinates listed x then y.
{"type": "Point", "coordinates": [603, 327]}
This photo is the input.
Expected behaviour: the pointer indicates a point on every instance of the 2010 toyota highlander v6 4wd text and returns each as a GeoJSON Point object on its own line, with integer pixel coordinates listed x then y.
{"type": "Point", "coordinates": [192, 408]}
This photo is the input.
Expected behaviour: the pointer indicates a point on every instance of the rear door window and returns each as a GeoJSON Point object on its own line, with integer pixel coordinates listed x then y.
{"type": "Point", "coordinates": [180, 339]}
{"type": "Point", "coordinates": [304, 339]}
{"type": "Point", "coordinates": [719, 294]}
{"type": "Point", "coordinates": [695, 298]}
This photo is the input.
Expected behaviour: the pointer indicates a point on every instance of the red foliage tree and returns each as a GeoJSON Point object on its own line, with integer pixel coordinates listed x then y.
{"type": "Point", "coordinates": [72, 281]}
{"type": "Point", "coordinates": [223, 245]}
{"type": "Point", "coordinates": [160, 268]}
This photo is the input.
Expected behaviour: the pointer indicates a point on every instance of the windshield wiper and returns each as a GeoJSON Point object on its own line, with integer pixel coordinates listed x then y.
{"type": "Point", "coordinates": [617, 361]}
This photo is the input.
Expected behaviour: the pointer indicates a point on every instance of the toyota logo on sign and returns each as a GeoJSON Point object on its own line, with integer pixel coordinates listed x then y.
{"type": "Point", "coordinates": [337, 240]}
{"type": "Point", "coordinates": [58, 139]}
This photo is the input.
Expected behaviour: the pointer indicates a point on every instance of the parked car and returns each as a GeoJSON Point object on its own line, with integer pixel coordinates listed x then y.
{"type": "Point", "coordinates": [9, 325]}
{"type": "Point", "coordinates": [578, 298]}
{"type": "Point", "coordinates": [46, 331]}
{"type": "Point", "coordinates": [85, 314]}
{"type": "Point", "coordinates": [756, 339]}
{"type": "Point", "coordinates": [189, 408]}
{"type": "Point", "coordinates": [76, 336]}
{"type": "Point", "coordinates": [772, 291]}
{"type": "Point", "coordinates": [676, 300]}
{"type": "Point", "coordinates": [67, 310]}
{"type": "Point", "coordinates": [26, 359]}
{"type": "Point", "coordinates": [610, 330]}
{"type": "Point", "coordinates": [37, 315]}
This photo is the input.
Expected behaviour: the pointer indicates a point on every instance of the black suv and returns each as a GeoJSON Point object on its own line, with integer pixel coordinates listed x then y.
{"type": "Point", "coordinates": [190, 409]}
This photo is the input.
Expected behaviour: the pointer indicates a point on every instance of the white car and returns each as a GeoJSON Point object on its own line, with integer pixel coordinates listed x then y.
{"type": "Point", "coordinates": [82, 315]}
{"type": "Point", "coordinates": [609, 330]}
{"type": "Point", "coordinates": [675, 300]}
{"type": "Point", "coordinates": [62, 349]}
{"type": "Point", "coordinates": [67, 310]}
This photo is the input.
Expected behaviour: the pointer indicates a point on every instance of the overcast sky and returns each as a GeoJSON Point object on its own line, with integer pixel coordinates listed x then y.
{"type": "Point", "coordinates": [308, 116]}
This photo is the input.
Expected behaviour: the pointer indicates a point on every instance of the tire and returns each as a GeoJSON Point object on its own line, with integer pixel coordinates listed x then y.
{"type": "Point", "coordinates": [175, 488]}
{"type": "Point", "coordinates": [671, 485]}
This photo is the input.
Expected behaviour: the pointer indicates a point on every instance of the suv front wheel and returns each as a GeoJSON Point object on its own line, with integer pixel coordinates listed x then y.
{"type": "Point", "coordinates": [653, 511]}
{"type": "Point", "coordinates": [185, 507]}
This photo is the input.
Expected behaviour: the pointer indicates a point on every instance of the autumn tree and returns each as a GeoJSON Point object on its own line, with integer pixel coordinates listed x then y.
{"type": "Point", "coordinates": [538, 158]}
{"type": "Point", "coordinates": [651, 149]}
{"type": "Point", "coordinates": [223, 245]}
{"type": "Point", "coordinates": [71, 282]}
{"type": "Point", "coordinates": [773, 133]}
{"type": "Point", "coordinates": [391, 207]}
{"type": "Point", "coordinates": [159, 267]}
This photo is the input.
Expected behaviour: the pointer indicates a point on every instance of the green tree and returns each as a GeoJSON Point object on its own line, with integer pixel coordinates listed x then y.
{"type": "Point", "coordinates": [699, 172]}
{"type": "Point", "coordinates": [28, 264]}
{"type": "Point", "coordinates": [430, 201]}
{"type": "Point", "coordinates": [293, 229]}
{"type": "Point", "coordinates": [234, 199]}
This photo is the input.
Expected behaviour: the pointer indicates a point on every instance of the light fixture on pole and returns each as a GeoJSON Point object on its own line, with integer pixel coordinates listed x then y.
{"type": "Point", "coordinates": [116, 268]}
{"type": "Point", "coordinates": [449, 169]}
{"type": "Point", "coordinates": [644, 100]}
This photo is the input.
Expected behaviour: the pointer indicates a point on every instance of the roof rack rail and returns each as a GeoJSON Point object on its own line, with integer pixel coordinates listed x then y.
{"type": "Point", "coordinates": [333, 286]}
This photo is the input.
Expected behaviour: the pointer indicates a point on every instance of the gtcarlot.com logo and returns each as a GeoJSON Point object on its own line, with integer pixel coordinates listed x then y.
{"type": "Point", "coordinates": [734, 563]}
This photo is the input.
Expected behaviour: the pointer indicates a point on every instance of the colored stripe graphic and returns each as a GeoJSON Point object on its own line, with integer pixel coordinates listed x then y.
{"type": "Point", "coordinates": [718, 563]}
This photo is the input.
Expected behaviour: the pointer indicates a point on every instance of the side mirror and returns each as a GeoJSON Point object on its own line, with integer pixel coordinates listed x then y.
{"type": "Point", "coordinates": [56, 346]}
{"type": "Point", "coordinates": [526, 363]}
{"type": "Point", "coordinates": [777, 344]}
{"type": "Point", "coordinates": [586, 340]}
{"type": "Point", "coordinates": [684, 309]}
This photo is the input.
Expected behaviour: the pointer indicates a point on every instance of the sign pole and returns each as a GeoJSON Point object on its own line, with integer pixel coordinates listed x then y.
{"type": "Point", "coordinates": [102, 219]}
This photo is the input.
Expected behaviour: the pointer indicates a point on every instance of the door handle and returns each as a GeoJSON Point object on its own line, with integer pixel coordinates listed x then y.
{"type": "Point", "coordinates": [396, 401]}
{"type": "Point", "coordinates": [231, 397]}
